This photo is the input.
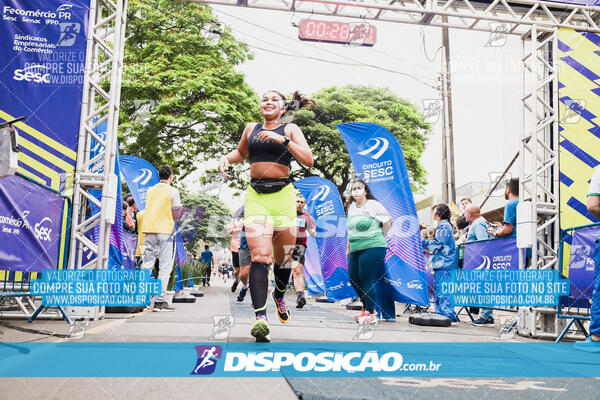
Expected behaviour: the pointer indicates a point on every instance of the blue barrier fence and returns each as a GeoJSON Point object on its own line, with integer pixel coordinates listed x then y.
{"type": "Point", "coordinates": [580, 271]}
{"type": "Point", "coordinates": [496, 253]}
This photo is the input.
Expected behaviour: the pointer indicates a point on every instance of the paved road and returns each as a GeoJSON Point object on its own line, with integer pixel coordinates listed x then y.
{"type": "Point", "coordinates": [319, 322]}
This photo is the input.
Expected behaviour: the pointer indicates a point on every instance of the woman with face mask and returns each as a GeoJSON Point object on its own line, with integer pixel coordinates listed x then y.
{"type": "Point", "coordinates": [270, 206]}
{"type": "Point", "coordinates": [368, 223]}
{"type": "Point", "coordinates": [443, 249]}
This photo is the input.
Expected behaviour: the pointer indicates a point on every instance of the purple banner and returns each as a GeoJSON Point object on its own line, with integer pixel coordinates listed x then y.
{"type": "Point", "coordinates": [29, 232]}
{"type": "Point", "coordinates": [43, 55]}
{"type": "Point", "coordinates": [491, 254]}
{"type": "Point", "coordinates": [581, 266]}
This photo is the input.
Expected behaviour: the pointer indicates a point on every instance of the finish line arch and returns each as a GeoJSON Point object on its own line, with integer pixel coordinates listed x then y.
{"type": "Point", "coordinates": [536, 22]}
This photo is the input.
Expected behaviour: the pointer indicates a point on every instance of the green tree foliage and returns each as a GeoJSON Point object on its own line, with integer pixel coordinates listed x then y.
{"type": "Point", "coordinates": [181, 98]}
{"type": "Point", "coordinates": [337, 105]}
{"type": "Point", "coordinates": [213, 227]}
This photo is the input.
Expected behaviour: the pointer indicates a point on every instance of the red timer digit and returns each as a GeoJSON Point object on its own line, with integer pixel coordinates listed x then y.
{"type": "Point", "coordinates": [331, 32]}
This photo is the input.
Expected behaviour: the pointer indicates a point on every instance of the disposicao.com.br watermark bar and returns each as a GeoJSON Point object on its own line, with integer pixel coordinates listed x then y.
{"type": "Point", "coordinates": [325, 359]}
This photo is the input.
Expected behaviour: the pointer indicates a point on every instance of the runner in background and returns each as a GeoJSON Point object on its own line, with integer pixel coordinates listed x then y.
{"type": "Point", "coordinates": [304, 223]}
{"type": "Point", "coordinates": [270, 199]}
{"type": "Point", "coordinates": [207, 258]}
{"type": "Point", "coordinates": [234, 229]}
{"type": "Point", "coordinates": [245, 261]}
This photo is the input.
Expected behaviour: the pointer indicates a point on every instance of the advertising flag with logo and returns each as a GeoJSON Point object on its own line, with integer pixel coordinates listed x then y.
{"type": "Point", "coordinates": [140, 175]}
{"type": "Point", "coordinates": [378, 159]}
{"type": "Point", "coordinates": [312, 268]}
{"type": "Point", "coordinates": [327, 210]}
{"type": "Point", "coordinates": [43, 53]}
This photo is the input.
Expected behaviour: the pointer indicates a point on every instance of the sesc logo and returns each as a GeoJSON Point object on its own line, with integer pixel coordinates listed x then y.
{"type": "Point", "coordinates": [144, 176]}
{"type": "Point", "coordinates": [42, 232]}
{"type": "Point", "coordinates": [33, 73]}
{"type": "Point", "coordinates": [415, 284]}
{"type": "Point", "coordinates": [207, 359]}
{"type": "Point", "coordinates": [322, 194]}
{"type": "Point", "coordinates": [380, 146]}
{"type": "Point", "coordinates": [485, 264]}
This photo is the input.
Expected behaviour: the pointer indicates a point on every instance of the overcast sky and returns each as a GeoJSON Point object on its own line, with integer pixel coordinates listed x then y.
{"type": "Point", "coordinates": [486, 81]}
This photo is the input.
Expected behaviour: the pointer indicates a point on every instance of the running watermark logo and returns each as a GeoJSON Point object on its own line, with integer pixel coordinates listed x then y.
{"type": "Point", "coordinates": [212, 183]}
{"type": "Point", "coordinates": [358, 33]}
{"type": "Point", "coordinates": [432, 110]}
{"type": "Point", "coordinates": [77, 329]}
{"type": "Point", "coordinates": [573, 110]}
{"type": "Point", "coordinates": [498, 34]}
{"type": "Point", "coordinates": [144, 177]}
{"type": "Point", "coordinates": [508, 327]}
{"type": "Point", "coordinates": [365, 331]}
{"type": "Point", "coordinates": [207, 359]}
{"type": "Point", "coordinates": [380, 146]}
{"type": "Point", "coordinates": [68, 33]}
{"type": "Point", "coordinates": [496, 181]}
{"type": "Point", "coordinates": [222, 325]}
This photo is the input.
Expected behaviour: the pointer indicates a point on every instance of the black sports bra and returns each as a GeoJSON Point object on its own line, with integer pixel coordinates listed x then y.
{"type": "Point", "coordinates": [269, 151]}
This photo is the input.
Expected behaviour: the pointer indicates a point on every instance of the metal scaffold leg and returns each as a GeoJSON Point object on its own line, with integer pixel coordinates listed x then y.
{"type": "Point", "coordinates": [103, 67]}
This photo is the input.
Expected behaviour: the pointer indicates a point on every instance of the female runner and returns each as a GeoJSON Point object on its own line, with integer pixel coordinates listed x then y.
{"type": "Point", "coordinates": [270, 207]}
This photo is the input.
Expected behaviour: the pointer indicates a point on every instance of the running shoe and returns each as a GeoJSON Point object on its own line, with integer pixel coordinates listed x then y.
{"type": "Point", "coordinates": [362, 314]}
{"type": "Point", "coordinates": [234, 286]}
{"type": "Point", "coordinates": [260, 330]}
{"type": "Point", "coordinates": [300, 302]}
{"type": "Point", "coordinates": [242, 294]}
{"type": "Point", "coordinates": [282, 312]}
{"type": "Point", "coordinates": [483, 321]}
{"type": "Point", "coordinates": [162, 306]}
{"type": "Point", "coordinates": [368, 319]}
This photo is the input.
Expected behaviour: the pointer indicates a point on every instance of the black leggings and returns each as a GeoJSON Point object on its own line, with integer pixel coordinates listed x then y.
{"type": "Point", "coordinates": [259, 284]}
{"type": "Point", "coordinates": [366, 270]}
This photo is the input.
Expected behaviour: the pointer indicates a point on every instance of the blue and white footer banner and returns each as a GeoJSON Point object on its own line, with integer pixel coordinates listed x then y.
{"type": "Point", "coordinates": [332, 359]}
